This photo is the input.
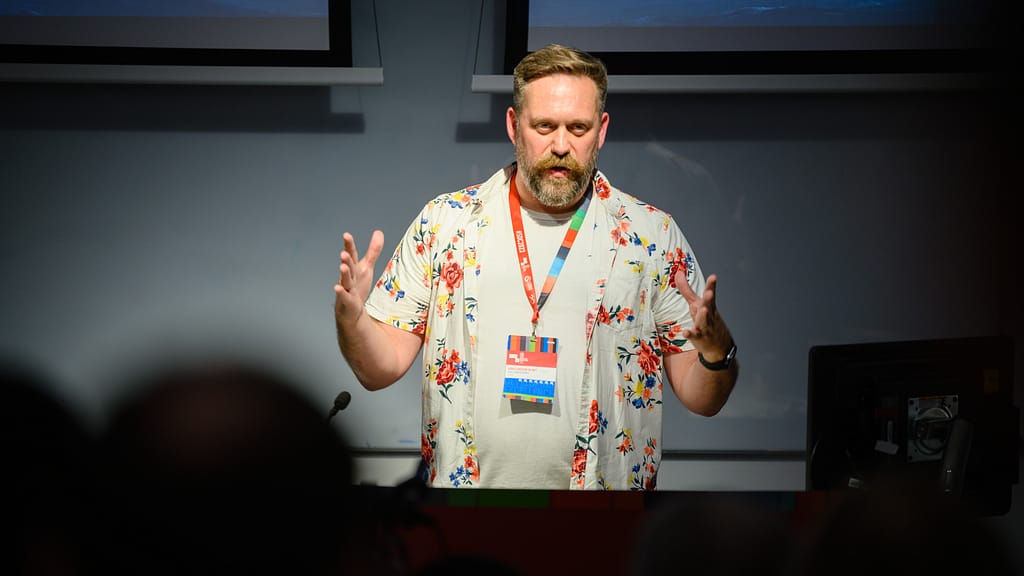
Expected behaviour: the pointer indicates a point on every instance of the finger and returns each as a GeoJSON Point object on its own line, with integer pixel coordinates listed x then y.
{"type": "Point", "coordinates": [707, 319]}
{"type": "Point", "coordinates": [699, 322]}
{"type": "Point", "coordinates": [350, 246]}
{"type": "Point", "coordinates": [341, 293]}
{"type": "Point", "coordinates": [710, 296]}
{"type": "Point", "coordinates": [702, 322]}
{"type": "Point", "coordinates": [709, 306]}
{"type": "Point", "coordinates": [375, 247]}
{"type": "Point", "coordinates": [683, 285]}
{"type": "Point", "coordinates": [343, 281]}
{"type": "Point", "coordinates": [711, 286]}
{"type": "Point", "coordinates": [347, 272]}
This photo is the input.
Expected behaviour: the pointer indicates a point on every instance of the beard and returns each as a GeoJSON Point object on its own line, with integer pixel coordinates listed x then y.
{"type": "Point", "coordinates": [557, 192]}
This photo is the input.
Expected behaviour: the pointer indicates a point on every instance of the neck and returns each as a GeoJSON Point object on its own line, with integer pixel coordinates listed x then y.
{"type": "Point", "coordinates": [529, 201]}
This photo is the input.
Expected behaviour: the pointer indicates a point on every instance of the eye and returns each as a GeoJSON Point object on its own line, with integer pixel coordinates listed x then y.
{"type": "Point", "coordinates": [543, 127]}
{"type": "Point", "coordinates": [579, 129]}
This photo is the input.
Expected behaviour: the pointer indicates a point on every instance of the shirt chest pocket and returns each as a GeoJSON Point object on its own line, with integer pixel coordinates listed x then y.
{"type": "Point", "coordinates": [626, 303]}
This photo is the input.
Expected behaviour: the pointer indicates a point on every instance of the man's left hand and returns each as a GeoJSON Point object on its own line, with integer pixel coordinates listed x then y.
{"type": "Point", "coordinates": [709, 334]}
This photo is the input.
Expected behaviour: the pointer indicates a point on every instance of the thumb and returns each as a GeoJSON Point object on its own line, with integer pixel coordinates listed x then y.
{"type": "Point", "coordinates": [683, 285]}
{"type": "Point", "coordinates": [374, 250]}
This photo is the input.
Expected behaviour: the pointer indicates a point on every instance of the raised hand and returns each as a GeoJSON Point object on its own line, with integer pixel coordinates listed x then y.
{"type": "Point", "coordinates": [709, 333]}
{"type": "Point", "coordinates": [355, 278]}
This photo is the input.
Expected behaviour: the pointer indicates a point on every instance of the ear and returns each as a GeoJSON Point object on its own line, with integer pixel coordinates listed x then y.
{"type": "Point", "coordinates": [510, 124]}
{"type": "Point", "coordinates": [603, 130]}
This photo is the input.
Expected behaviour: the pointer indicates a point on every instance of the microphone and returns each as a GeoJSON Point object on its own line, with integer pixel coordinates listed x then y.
{"type": "Point", "coordinates": [954, 461]}
{"type": "Point", "coordinates": [340, 402]}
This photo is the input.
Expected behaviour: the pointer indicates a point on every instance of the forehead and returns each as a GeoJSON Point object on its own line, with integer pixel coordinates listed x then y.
{"type": "Point", "coordinates": [560, 95]}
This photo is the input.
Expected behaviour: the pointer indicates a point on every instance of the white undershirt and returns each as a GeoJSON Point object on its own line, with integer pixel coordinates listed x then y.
{"type": "Point", "coordinates": [521, 444]}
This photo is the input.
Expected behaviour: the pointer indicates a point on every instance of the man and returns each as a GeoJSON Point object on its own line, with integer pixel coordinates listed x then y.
{"type": "Point", "coordinates": [552, 384]}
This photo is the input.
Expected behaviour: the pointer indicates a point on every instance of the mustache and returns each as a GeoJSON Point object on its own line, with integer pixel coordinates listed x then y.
{"type": "Point", "coordinates": [551, 161]}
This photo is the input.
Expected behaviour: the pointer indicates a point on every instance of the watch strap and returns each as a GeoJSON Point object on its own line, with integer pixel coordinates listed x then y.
{"type": "Point", "coordinates": [722, 364]}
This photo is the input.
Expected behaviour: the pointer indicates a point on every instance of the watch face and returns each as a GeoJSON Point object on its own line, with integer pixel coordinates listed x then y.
{"type": "Point", "coordinates": [727, 361]}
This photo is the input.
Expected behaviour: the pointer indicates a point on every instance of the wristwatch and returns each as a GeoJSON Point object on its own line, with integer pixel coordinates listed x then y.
{"type": "Point", "coordinates": [722, 364]}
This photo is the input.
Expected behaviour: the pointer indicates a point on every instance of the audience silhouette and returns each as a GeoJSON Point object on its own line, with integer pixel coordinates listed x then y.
{"type": "Point", "coordinates": [46, 450]}
{"type": "Point", "coordinates": [221, 468]}
{"type": "Point", "coordinates": [227, 468]}
{"type": "Point", "coordinates": [902, 526]}
{"type": "Point", "coordinates": [714, 534]}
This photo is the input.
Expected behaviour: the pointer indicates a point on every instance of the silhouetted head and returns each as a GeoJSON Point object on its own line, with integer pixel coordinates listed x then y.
{"type": "Point", "coordinates": [222, 469]}
{"type": "Point", "coordinates": [714, 535]}
{"type": "Point", "coordinates": [902, 525]}
{"type": "Point", "coordinates": [46, 450]}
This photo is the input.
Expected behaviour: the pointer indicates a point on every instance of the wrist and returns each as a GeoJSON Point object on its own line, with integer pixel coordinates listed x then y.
{"type": "Point", "coordinates": [719, 362]}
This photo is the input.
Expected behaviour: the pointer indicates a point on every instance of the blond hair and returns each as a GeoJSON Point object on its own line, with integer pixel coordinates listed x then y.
{"type": "Point", "coordinates": [558, 59]}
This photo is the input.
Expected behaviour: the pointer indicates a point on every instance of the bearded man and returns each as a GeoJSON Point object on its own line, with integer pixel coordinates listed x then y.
{"type": "Point", "coordinates": [549, 307]}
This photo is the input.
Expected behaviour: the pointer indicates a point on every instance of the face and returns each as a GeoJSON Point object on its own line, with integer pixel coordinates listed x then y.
{"type": "Point", "coordinates": [557, 135]}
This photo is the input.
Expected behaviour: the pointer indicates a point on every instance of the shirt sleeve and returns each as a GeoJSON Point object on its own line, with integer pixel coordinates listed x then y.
{"type": "Point", "coordinates": [401, 296]}
{"type": "Point", "coordinates": [671, 311]}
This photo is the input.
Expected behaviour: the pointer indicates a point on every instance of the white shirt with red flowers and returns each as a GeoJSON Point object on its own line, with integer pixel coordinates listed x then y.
{"type": "Point", "coordinates": [632, 314]}
{"type": "Point", "coordinates": [521, 443]}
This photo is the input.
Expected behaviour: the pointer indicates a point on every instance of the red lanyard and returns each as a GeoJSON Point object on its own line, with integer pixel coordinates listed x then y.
{"type": "Point", "coordinates": [523, 255]}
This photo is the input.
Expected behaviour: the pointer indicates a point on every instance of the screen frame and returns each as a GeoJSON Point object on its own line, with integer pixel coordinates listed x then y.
{"type": "Point", "coordinates": [761, 62]}
{"type": "Point", "coordinates": [338, 54]}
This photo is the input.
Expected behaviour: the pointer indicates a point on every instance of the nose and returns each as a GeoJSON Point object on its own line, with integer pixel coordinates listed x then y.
{"type": "Point", "coordinates": [560, 142]}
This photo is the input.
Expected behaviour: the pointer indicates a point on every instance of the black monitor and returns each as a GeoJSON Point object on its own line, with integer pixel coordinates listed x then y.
{"type": "Point", "coordinates": [936, 411]}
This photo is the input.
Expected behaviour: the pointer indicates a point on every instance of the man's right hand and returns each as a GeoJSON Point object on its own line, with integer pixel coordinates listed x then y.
{"type": "Point", "coordinates": [355, 278]}
{"type": "Point", "coordinates": [379, 354]}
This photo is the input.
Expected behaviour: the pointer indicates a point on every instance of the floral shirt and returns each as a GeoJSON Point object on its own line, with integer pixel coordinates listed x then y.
{"type": "Point", "coordinates": [635, 316]}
